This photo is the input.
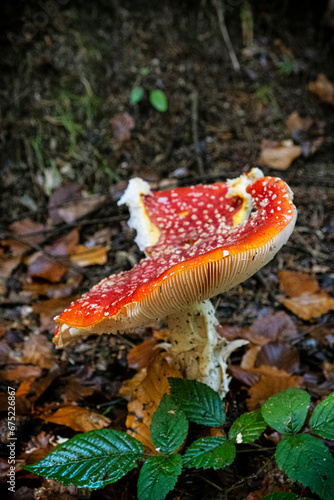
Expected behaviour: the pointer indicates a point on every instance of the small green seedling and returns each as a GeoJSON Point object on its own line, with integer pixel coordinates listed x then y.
{"type": "Point", "coordinates": [100, 457]}
{"type": "Point", "coordinates": [157, 97]}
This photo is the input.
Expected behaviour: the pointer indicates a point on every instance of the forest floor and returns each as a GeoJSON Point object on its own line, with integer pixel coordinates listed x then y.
{"type": "Point", "coordinates": [70, 140]}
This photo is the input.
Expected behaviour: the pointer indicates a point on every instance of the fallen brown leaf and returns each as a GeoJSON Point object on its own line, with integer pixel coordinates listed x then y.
{"type": "Point", "coordinates": [122, 124]}
{"type": "Point", "coordinates": [305, 299]}
{"type": "Point", "coordinates": [146, 398]}
{"type": "Point", "coordinates": [21, 372]}
{"type": "Point", "coordinates": [282, 356]}
{"type": "Point", "coordinates": [52, 290]}
{"type": "Point", "coordinates": [74, 391]}
{"type": "Point", "coordinates": [38, 351]}
{"type": "Point", "coordinates": [277, 327]}
{"type": "Point", "coordinates": [7, 265]}
{"type": "Point", "coordinates": [45, 265]}
{"type": "Point", "coordinates": [29, 391]}
{"type": "Point", "coordinates": [308, 306]}
{"type": "Point", "coordinates": [38, 447]}
{"type": "Point", "coordinates": [47, 268]}
{"type": "Point", "coordinates": [61, 197]}
{"type": "Point", "coordinates": [272, 381]}
{"type": "Point", "coordinates": [296, 124]}
{"type": "Point", "coordinates": [323, 89]}
{"type": "Point", "coordinates": [76, 210]}
{"type": "Point", "coordinates": [26, 228]}
{"type": "Point", "coordinates": [48, 309]}
{"type": "Point", "coordinates": [79, 419]}
{"type": "Point", "coordinates": [142, 354]}
{"type": "Point", "coordinates": [278, 155]}
{"type": "Point", "coordinates": [84, 256]}
{"type": "Point", "coordinates": [294, 283]}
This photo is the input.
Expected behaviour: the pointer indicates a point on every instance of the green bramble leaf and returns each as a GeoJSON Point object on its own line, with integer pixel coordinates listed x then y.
{"type": "Point", "coordinates": [286, 412]}
{"type": "Point", "coordinates": [307, 460]}
{"type": "Point", "coordinates": [247, 428]}
{"type": "Point", "coordinates": [199, 402]}
{"type": "Point", "coordinates": [91, 460]}
{"type": "Point", "coordinates": [158, 476]}
{"type": "Point", "coordinates": [209, 452]}
{"type": "Point", "coordinates": [322, 420]}
{"type": "Point", "coordinates": [136, 95]}
{"type": "Point", "coordinates": [158, 100]}
{"type": "Point", "coordinates": [169, 426]}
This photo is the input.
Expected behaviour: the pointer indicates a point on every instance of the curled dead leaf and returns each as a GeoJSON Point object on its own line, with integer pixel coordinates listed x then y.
{"type": "Point", "coordinates": [83, 256]}
{"type": "Point", "coordinates": [323, 89]}
{"type": "Point", "coordinates": [278, 154]}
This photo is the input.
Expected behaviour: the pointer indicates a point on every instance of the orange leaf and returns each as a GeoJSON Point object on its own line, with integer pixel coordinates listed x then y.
{"type": "Point", "coordinates": [294, 283]}
{"type": "Point", "coordinates": [306, 301]}
{"type": "Point", "coordinates": [146, 398]}
{"type": "Point", "coordinates": [21, 373]}
{"type": "Point", "coordinates": [272, 381]}
{"type": "Point", "coordinates": [278, 155]}
{"type": "Point", "coordinates": [141, 355]}
{"type": "Point", "coordinates": [84, 256]}
{"type": "Point", "coordinates": [79, 419]}
{"type": "Point", "coordinates": [295, 123]}
{"type": "Point", "coordinates": [307, 306]}
{"type": "Point", "coordinates": [323, 89]}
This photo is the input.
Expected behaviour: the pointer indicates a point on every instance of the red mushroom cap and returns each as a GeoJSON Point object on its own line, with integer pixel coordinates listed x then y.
{"type": "Point", "coordinates": [199, 254]}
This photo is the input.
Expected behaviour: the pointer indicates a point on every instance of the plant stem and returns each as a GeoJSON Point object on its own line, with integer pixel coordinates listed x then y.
{"type": "Point", "coordinates": [222, 25]}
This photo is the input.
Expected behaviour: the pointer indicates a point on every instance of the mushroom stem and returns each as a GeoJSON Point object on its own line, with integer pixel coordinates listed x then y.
{"type": "Point", "coordinates": [196, 348]}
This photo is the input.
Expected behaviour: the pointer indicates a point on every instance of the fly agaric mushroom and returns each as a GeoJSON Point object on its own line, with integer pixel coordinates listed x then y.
{"type": "Point", "coordinates": [199, 241]}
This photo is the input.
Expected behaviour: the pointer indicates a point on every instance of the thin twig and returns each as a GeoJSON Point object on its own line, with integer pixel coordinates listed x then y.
{"type": "Point", "coordinates": [244, 479]}
{"type": "Point", "coordinates": [218, 5]}
{"type": "Point", "coordinates": [210, 482]}
{"type": "Point", "coordinates": [194, 120]}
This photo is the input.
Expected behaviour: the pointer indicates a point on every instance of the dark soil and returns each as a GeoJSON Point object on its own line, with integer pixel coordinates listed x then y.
{"type": "Point", "coordinates": [66, 72]}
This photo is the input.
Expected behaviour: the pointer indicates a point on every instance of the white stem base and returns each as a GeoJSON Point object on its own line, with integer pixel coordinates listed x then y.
{"type": "Point", "coordinates": [197, 350]}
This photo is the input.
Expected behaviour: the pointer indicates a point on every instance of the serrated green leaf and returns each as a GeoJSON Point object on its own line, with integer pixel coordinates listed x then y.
{"type": "Point", "coordinates": [307, 460]}
{"type": "Point", "coordinates": [286, 412]}
{"type": "Point", "coordinates": [322, 420]}
{"type": "Point", "coordinates": [247, 428]}
{"type": "Point", "coordinates": [209, 452]}
{"type": "Point", "coordinates": [169, 426]}
{"type": "Point", "coordinates": [158, 100]}
{"type": "Point", "coordinates": [136, 95]}
{"type": "Point", "coordinates": [158, 476]}
{"type": "Point", "coordinates": [199, 402]}
{"type": "Point", "coordinates": [91, 460]}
